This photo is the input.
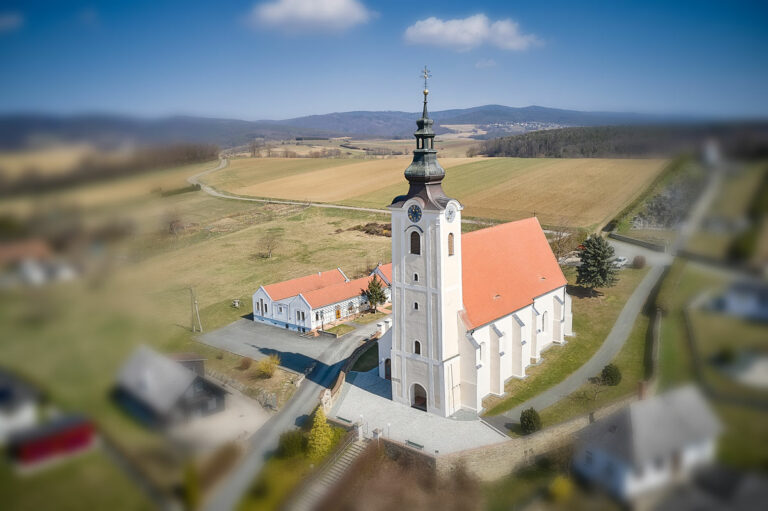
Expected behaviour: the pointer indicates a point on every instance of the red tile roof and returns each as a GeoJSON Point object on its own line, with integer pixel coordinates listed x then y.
{"type": "Point", "coordinates": [386, 270]}
{"type": "Point", "coordinates": [16, 251]}
{"type": "Point", "coordinates": [504, 268]}
{"type": "Point", "coordinates": [288, 288]}
{"type": "Point", "coordinates": [338, 292]}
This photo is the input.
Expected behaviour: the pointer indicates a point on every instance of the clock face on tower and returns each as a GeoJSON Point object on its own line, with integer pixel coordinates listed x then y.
{"type": "Point", "coordinates": [414, 213]}
{"type": "Point", "coordinates": [450, 214]}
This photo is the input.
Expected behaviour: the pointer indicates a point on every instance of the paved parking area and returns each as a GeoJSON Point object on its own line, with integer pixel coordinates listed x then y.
{"type": "Point", "coordinates": [370, 396]}
{"type": "Point", "coordinates": [257, 340]}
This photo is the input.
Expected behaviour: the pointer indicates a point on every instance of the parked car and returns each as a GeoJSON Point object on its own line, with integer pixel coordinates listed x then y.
{"type": "Point", "coordinates": [620, 262]}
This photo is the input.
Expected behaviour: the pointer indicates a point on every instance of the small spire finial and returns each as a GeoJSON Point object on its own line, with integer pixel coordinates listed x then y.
{"type": "Point", "coordinates": [426, 75]}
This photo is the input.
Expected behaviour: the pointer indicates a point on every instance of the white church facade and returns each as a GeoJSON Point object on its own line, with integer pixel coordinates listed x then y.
{"type": "Point", "coordinates": [470, 311]}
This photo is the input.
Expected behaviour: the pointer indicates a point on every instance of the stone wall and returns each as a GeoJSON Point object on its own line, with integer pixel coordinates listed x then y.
{"type": "Point", "coordinates": [495, 461]}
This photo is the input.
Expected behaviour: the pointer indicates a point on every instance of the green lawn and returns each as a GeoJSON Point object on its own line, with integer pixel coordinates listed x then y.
{"type": "Point", "coordinates": [631, 361]}
{"type": "Point", "coordinates": [88, 481]}
{"type": "Point", "coordinates": [593, 318]}
{"type": "Point", "coordinates": [341, 329]}
{"type": "Point", "coordinates": [368, 360]}
{"type": "Point", "coordinates": [744, 443]}
{"type": "Point", "coordinates": [366, 318]}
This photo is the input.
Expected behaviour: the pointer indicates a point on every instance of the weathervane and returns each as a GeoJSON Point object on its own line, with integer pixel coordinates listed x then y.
{"type": "Point", "coordinates": [425, 73]}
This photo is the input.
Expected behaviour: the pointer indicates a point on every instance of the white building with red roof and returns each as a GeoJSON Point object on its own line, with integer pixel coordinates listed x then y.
{"type": "Point", "coordinates": [313, 301]}
{"type": "Point", "coordinates": [469, 311]}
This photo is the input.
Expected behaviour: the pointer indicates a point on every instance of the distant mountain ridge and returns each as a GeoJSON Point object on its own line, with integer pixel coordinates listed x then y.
{"type": "Point", "coordinates": [20, 130]}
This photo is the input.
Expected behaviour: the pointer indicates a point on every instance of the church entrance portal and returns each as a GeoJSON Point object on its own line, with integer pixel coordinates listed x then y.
{"type": "Point", "coordinates": [388, 369]}
{"type": "Point", "coordinates": [419, 398]}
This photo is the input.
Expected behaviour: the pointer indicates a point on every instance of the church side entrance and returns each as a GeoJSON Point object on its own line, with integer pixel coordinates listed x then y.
{"type": "Point", "coordinates": [419, 397]}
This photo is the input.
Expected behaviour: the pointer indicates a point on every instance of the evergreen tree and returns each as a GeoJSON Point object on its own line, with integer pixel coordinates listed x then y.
{"type": "Point", "coordinates": [530, 421]}
{"type": "Point", "coordinates": [611, 375]}
{"type": "Point", "coordinates": [375, 294]}
{"type": "Point", "coordinates": [597, 269]}
{"type": "Point", "coordinates": [320, 436]}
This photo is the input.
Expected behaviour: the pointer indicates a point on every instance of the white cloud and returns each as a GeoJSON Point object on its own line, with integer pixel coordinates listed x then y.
{"type": "Point", "coordinates": [310, 15]}
{"type": "Point", "coordinates": [483, 63]}
{"type": "Point", "coordinates": [467, 33]}
{"type": "Point", "coordinates": [10, 21]}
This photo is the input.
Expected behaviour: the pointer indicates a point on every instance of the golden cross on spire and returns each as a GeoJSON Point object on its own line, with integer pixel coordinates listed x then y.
{"type": "Point", "coordinates": [426, 74]}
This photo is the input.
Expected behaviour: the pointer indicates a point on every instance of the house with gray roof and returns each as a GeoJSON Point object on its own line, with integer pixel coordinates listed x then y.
{"type": "Point", "coordinates": [648, 445]}
{"type": "Point", "coordinates": [159, 391]}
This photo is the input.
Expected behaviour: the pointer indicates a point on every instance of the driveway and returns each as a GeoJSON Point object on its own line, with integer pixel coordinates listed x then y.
{"type": "Point", "coordinates": [240, 419]}
{"type": "Point", "coordinates": [257, 340]}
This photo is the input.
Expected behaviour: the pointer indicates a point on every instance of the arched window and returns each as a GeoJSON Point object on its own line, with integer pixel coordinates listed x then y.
{"type": "Point", "coordinates": [415, 277]}
{"type": "Point", "coordinates": [415, 243]}
{"type": "Point", "coordinates": [417, 347]}
{"type": "Point", "coordinates": [450, 244]}
{"type": "Point", "coordinates": [415, 306]}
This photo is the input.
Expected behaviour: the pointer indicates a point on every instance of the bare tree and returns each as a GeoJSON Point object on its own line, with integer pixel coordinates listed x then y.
{"type": "Point", "coordinates": [270, 241]}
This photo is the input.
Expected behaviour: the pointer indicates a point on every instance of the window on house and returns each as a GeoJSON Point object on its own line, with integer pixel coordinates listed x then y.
{"type": "Point", "coordinates": [450, 244]}
{"type": "Point", "coordinates": [417, 347]}
{"type": "Point", "coordinates": [317, 316]}
{"type": "Point", "coordinates": [415, 277]}
{"type": "Point", "coordinates": [415, 243]}
{"type": "Point", "coordinates": [415, 306]}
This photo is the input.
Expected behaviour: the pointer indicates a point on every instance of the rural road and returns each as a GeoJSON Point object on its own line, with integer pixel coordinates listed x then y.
{"type": "Point", "coordinates": [230, 492]}
{"type": "Point", "coordinates": [223, 163]}
{"type": "Point", "coordinates": [607, 352]}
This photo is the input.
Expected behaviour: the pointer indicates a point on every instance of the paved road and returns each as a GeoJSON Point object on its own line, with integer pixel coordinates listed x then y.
{"type": "Point", "coordinates": [229, 493]}
{"type": "Point", "coordinates": [607, 352]}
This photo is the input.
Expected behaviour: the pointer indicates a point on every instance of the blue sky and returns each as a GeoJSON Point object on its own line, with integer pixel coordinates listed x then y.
{"type": "Point", "coordinates": [286, 58]}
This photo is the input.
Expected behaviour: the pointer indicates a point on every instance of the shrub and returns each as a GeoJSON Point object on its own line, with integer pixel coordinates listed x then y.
{"type": "Point", "coordinates": [530, 421]}
{"type": "Point", "coordinates": [560, 489]}
{"type": "Point", "coordinates": [245, 363]}
{"type": "Point", "coordinates": [320, 436]}
{"type": "Point", "coordinates": [265, 368]}
{"type": "Point", "coordinates": [638, 262]}
{"type": "Point", "coordinates": [292, 443]}
{"type": "Point", "coordinates": [611, 375]}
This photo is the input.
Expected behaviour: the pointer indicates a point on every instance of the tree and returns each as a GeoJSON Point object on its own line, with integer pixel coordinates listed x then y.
{"type": "Point", "coordinates": [597, 269]}
{"type": "Point", "coordinates": [530, 421]}
{"type": "Point", "coordinates": [375, 294]}
{"type": "Point", "coordinates": [291, 444]}
{"type": "Point", "coordinates": [320, 436]}
{"type": "Point", "coordinates": [271, 241]}
{"type": "Point", "coordinates": [611, 375]}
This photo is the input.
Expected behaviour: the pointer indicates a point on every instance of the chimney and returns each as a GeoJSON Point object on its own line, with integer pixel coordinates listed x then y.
{"type": "Point", "coordinates": [642, 390]}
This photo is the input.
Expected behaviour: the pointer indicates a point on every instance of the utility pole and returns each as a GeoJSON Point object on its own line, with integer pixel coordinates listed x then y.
{"type": "Point", "coordinates": [197, 325]}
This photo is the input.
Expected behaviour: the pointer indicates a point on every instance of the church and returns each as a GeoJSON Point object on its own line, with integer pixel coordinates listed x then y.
{"type": "Point", "coordinates": [470, 311]}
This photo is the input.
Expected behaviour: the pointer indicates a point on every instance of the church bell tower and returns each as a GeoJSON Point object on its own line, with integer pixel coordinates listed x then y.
{"type": "Point", "coordinates": [427, 285]}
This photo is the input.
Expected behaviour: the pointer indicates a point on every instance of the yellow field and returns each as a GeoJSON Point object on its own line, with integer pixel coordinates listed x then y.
{"type": "Point", "coordinates": [583, 192]}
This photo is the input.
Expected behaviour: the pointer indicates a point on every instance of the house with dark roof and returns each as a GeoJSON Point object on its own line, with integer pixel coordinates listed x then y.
{"type": "Point", "coordinates": [649, 445]}
{"type": "Point", "coordinates": [159, 391]}
{"type": "Point", "coordinates": [469, 311]}
{"type": "Point", "coordinates": [313, 301]}
{"type": "Point", "coordinates": [18, 405]}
